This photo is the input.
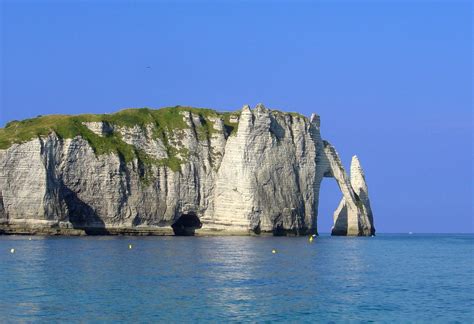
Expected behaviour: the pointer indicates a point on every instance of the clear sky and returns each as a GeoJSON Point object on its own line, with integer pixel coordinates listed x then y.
{"type": "Point", "coordinates": [392, 81]}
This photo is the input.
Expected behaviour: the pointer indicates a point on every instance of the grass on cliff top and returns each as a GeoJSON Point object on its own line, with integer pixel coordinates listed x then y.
{"type": "Point", "coordinates": [69, 126]}
{"type": "Point", "coordinates": [292, 114]}
{"type": "Point", "coordinates": [163, 122]}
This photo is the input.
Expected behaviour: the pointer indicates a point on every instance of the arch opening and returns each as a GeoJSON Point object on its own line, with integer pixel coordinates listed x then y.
{"type": "Point", "coordinates": [186, 225]}
{"type": "Point", "coordinates": [329, 198]}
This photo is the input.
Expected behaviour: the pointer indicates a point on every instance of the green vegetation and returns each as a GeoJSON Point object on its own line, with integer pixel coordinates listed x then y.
{"type": "Point", "coordinates": [164, 122]}
{"type": "Point", "coordinates": [231, 127]}
{"type": "Point", "coordinates": [292, 114]}
{"type": "Point", "coordinates": [167, 124]}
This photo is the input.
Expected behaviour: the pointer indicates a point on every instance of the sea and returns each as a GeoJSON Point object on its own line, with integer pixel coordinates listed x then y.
{"type": "Point", "coordinates": [387, 278]}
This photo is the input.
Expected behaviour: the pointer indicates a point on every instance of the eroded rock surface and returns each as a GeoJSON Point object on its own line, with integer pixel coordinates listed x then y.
{"type": "Point", "coordinates": [354, 216]}
{"type": "Point", "coordinates": [252, 171]}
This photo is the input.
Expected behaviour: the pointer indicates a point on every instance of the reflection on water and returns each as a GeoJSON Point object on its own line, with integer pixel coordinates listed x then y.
{"type": "Point", "coordinates": [386, 278]}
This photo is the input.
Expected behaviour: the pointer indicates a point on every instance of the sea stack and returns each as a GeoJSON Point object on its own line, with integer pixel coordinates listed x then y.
{"type": "Point", "coordinates": [353, 216]}
{"type": "Point", "coordinates": [150, 171]}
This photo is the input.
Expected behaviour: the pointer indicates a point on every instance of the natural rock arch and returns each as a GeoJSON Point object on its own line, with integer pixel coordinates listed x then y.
{"type": "Point", "coordinates": [263, 176]}
{"type": "Point", "coordinates": [353, 216]}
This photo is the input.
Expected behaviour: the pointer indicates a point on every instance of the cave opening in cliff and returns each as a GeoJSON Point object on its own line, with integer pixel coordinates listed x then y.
{"type": "Point", "coordinates": [186, 225]}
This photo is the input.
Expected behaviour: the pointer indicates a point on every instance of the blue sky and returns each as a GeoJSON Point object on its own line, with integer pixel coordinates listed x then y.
{"type": "Point", "coordinates": [392, 81]}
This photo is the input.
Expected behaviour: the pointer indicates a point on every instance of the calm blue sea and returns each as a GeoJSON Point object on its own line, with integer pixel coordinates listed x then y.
{"type": "Point", "coordinates": [385, 278]}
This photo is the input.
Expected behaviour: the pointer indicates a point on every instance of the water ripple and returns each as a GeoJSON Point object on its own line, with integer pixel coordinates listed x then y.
{"type": "Point", "coordinates": [387, 278]}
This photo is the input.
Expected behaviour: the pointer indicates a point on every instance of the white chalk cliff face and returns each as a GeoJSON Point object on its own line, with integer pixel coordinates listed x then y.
{"type": "Point", "coordinates": [264, 176]}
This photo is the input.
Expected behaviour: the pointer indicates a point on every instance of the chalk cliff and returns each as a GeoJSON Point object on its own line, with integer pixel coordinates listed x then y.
{"type": "Point", "coordinates": [144, 171]}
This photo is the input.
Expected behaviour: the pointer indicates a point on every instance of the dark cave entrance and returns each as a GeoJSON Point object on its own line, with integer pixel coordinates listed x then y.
{"type": "Point", "coordinates": [186, 225]}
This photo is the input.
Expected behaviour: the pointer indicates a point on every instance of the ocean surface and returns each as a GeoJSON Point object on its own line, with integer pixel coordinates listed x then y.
{"type": "Point", "coordinates": [387, 278]}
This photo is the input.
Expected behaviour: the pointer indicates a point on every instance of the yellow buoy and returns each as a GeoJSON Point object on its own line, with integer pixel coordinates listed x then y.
{"type": "Point", "coordinates": [274, 251]}
{"type": "Point", "coordinates": [12, 250]}
{"type": "Point", "coordinates": [310, 239]}
{"type": "Point", "coordinates": [130, 246]}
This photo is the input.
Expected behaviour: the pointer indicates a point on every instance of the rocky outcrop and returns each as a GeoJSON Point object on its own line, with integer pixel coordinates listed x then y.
{"type": "Point", "coordinates": [252, 171]}
{"type": "Point", "coordinates": [99, 128]}
{"type": "Point", "coordinates": [353, 216]}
